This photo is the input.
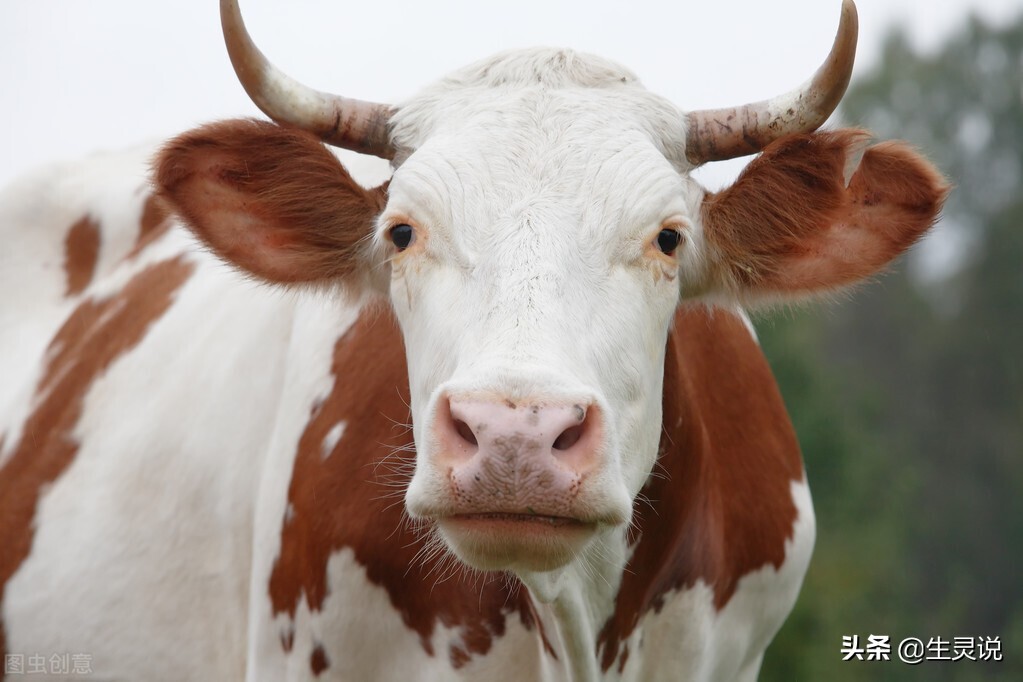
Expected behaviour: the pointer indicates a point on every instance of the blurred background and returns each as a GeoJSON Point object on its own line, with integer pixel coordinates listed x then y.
{"type": "Point", "coordinates": [907, 394]}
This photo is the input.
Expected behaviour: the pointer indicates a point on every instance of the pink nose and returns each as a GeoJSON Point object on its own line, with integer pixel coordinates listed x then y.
{"type": "Point", "coordinates": [517, 458]}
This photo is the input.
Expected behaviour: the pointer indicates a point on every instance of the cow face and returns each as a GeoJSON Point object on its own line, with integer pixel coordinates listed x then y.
{"type": "Point", "coordinates": [539, 231]}
{"type": "Point", "coordinates": [534, 246]}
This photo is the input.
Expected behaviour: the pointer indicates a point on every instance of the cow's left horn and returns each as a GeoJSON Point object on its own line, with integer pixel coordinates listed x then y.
{"type": "Point", "coordinates": [340, 121]}
{"type": "Point", "coordinates": [719, 134]}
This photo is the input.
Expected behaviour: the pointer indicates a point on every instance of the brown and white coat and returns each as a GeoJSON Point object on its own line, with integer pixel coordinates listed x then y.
{"type": "Point", "coordinates": [535, 440]}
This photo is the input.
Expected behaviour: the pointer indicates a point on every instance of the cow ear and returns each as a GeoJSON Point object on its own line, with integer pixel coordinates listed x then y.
{"type": "Point", "coordinates": [271, 200]}
{"type": "Point", "coordinates": [803, 218]}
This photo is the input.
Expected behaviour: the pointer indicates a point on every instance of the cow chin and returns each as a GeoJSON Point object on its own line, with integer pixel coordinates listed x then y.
{"type": "Point", "coordinates": [515, 542]}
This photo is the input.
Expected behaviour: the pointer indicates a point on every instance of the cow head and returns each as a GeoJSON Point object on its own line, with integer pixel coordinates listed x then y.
{"type": "Point", "coordinates": [537, 235]}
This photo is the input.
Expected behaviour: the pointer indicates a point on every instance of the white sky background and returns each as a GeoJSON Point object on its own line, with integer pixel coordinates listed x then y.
{"type": "Point", "coordinates": [83, 75]}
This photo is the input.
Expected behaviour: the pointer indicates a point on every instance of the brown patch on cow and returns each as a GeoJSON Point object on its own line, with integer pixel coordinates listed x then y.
{"type": "Point", "coordinates": [154, 223]}
{"type": "Point", "coordinates": [623, 659]}
{"type": "Point", "coordinates": [792, 225]}
{"type": "Point", "coordinates": [728, 454]}
{"type": "Point", "coordinates": [458, 656]}
{"type": "Point", "coordinates": [318, 661]}
{"type": "Point", "coordinates": [353, 499]}
{"type": "Point", "coordinates": [92, 338]}
{"type": "Point", "coordinates": [81, 253]}
{"type": "Point", "coordinates": [271, 200]}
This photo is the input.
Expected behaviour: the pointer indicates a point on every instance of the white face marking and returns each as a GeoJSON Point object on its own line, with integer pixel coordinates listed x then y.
{"type": "Point", "coordinates": [537, 209]}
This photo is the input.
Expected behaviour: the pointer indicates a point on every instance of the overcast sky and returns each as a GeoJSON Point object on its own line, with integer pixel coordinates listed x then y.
{"type": "Point", "coordinates": [82, 76]}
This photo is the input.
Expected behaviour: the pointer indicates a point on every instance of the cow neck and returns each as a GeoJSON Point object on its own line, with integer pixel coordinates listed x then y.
{"type": "Point", "coordinates": [718, 504]}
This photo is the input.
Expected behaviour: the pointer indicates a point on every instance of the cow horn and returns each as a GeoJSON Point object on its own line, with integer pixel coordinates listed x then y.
{"type": "Point", "coordinates": [340, 121]}
{"type": "Point", "coordinates": [719, 134]}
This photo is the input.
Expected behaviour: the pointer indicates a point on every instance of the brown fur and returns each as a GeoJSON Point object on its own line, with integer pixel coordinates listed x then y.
{"type": "Point", "coordinates": [318, 660]}
{"type": "Point", "coordinates": [81, 253]}
{"type": "Point", "coordinates": [352, 498]}
{"type": "Point", "coordinates": [720, 502]}
{"type": "Point", "coordinates": [790, 226]}
{"type": "Point", "coordinates": [92, 338]}
{"type": "Point", "coordinates": [155, 221]}
{"type": "Point", "coordinates": [271, 200]}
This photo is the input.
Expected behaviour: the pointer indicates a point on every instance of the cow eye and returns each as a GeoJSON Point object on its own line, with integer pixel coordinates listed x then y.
{"type": "Point", "coordinates": [402, 235]}
{"type": "Point", "coordinates": [668, 240]}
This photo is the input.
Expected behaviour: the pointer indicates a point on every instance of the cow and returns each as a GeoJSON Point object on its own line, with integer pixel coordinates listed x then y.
{"type": "Point", "coordinates": [497, 413]}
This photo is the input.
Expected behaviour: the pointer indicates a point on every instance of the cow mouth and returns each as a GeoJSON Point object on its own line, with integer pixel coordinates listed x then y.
{"type": "Point", "coordinates": [504, 517]}
{"type": "Point", "coordinates": [515, 541]}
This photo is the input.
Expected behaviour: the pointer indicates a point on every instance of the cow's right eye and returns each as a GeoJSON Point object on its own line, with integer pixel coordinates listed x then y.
{"type": "Point", "coordinates": [402, 236]}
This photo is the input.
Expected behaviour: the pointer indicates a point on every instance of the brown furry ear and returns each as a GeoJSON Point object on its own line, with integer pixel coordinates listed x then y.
{"type": "Point", "coordinates": [792, 226]}
{"type": "Point", "coordinates": [269, 199]}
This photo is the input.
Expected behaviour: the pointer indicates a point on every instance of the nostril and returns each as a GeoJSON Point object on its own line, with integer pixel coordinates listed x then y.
{"type": "Point", "coordinates": [568, 437]}
{"type": "Point", "coordinates": [465, 432]}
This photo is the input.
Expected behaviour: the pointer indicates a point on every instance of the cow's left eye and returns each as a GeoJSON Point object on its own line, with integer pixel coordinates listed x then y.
{"type": "Point", "coordinates": [668, 240]}
{"type": "Point", "coordinates": [402, 236]}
